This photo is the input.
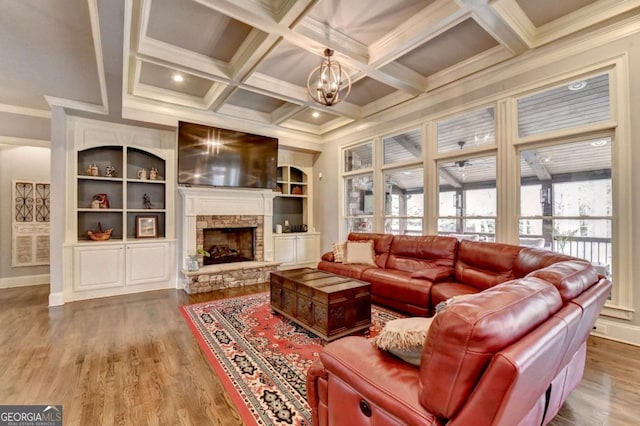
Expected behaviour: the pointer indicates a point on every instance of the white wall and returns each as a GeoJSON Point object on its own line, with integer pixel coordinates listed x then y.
{"type": "Point", "coordinates": [19, 162]}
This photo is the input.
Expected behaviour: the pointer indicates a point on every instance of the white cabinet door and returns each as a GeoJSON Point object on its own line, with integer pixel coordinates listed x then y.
{"type": "Point", "coordinates": [293, 250]}
{"type": "Point", "coordinates": [306, 251]}
{"type": "Point", "coordinates": [147, 263]}
{"type": "Point", "coordinates": [285, 250]}
{"type": "Point", "coordinates": [98, 267]}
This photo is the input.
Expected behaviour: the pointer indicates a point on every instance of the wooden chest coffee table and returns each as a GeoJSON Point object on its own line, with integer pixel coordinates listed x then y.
{"type": "Point", "coordinates": [329, 305]}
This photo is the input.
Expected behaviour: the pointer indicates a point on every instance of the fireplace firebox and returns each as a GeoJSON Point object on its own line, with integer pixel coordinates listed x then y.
{"type": "Point", "coordinates": [226, 245]}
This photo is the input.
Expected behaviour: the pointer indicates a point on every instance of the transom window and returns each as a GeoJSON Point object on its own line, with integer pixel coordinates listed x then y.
{"type": "Point", "coordinates": [468, 130]}
{"type": "Point", "coordinates": [570, 105]}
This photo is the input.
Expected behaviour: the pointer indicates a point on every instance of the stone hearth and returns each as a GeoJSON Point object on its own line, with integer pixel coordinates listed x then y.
{"type": "Point", "coordinates": [228, 275]}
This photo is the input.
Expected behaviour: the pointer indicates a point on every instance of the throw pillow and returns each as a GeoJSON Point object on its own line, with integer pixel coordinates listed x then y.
{"type": "Point", "coordinates": [338, 252]}
{"type": "Point", "coordinates": [360, 252]}
{"type": "Point", "coordinates": [404, 338]}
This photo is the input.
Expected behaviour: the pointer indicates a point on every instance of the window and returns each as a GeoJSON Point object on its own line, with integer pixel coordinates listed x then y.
{"type": "Point", "coordinates": [404, 201]}
{"type": "Point", "coordinates": [359, 199]}
{"type": "Point", "coordinates": [467, 198]}
{"type": "Point", "coordinates": [566, 199]}
{"type": "Point", "coordinates": [570, 105]}
{"type": "Point", "coordinates": [468, 130]}
{"type": "Point", "coordinates": [358, 158]}
{"type": "Point", "coordinates": [406, 146]}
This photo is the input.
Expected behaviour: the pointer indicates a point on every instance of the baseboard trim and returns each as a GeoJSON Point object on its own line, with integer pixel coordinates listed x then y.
{"type": "Point", "coordinates": [56, 299]}
{"type": "Point", "coordinates": [25, 281]}
{"type": "Point", "coordinates": [619, 332]}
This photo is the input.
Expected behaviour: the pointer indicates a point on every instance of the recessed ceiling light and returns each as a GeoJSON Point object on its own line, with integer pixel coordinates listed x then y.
{"type": "Point", "coordinates": [578, 85]}
{"type": "Point", "coordinates": [177, 78]}
{"type": "Point", "coordinates": [599, 143]}
{"type": "Point", "coordinates": [315, 114]}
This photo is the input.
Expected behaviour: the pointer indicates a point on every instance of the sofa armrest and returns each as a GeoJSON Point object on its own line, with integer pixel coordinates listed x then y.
{"type": "Point", "coordinates": [328, 256]}
{"type": "Point", "coordinates": [316, 389]}
{"type": "Point", "coordinates": [386, 383]}
{"type": "Point", "coordinates": [434, 274]}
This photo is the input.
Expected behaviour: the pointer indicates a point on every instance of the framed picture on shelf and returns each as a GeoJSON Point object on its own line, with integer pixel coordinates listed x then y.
{"type": "Point", "coordinates": [146, 226]}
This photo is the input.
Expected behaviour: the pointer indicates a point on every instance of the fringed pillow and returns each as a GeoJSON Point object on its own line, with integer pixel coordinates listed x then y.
{"type": "Point", "coordinates": [338, 251]}
{"type": "Point", "coordinates": [404, 338]}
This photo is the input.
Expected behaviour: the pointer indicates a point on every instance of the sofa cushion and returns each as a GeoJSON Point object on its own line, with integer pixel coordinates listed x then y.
{"type": "Point", "coordinates": [532, 259]}
{"type": "Point", "coordinates": [413, 253]}
{"type": "Point", "coordinates": [435, 273]}
{"type": "Point", "coordinates": [570, 277]}
{"type": "Point", "coordinates": [351, 271]}
{"type": "Point", "coordinates": [445, 290]}
{"type": "Point", "coordinates": [464, 337]}
{"type": "Point", "coordinates": [381, 244]}
{"type": "Point", "coordinates": [483, 265]}
{"type": "Point", "coordinates": [395, 285]}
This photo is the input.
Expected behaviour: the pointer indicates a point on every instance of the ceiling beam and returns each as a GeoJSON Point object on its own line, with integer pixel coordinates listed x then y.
{"type": "Point", "coordinates": [536, 165]}
{"type": "Point", "coordinates": [492, 22]}
{"type": "Point", "coordinates": [451, 180]}
{"type": "Point", "coordinates": [407, 144]}
{"type": "Point", "coordinates": [285, 112]}
{"type": "Point", "coordinates": [425, 25]}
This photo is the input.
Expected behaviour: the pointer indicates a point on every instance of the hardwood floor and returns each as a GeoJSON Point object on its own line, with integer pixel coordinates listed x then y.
{"type": "Point", "coordinates": [132, 360]}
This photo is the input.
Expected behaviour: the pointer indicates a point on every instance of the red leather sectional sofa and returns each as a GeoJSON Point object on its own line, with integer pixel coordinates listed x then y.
{"type": "Point", "coordinates": [415, 273]}
{"type": "Point", "coordinates": [509, 355]}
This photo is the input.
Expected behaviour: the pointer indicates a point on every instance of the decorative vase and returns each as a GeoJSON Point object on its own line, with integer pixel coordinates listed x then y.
{"type": "Point", "coordinates": [192, 264]}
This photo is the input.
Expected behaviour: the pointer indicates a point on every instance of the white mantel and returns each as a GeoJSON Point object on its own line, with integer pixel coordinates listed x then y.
{"type": "Point", "coordinates": [223, 201]}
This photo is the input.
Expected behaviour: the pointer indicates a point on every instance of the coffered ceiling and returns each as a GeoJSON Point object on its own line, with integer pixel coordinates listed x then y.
{"type": "Point", "coordinates": [245, 63]}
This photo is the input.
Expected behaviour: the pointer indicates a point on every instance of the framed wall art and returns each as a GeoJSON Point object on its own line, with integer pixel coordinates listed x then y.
{"type": "Point", "coordinates": [146, 226]}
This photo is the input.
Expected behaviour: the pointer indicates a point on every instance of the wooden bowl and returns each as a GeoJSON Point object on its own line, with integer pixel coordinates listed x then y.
{"type": "Point", "coordinates": [100, 236]}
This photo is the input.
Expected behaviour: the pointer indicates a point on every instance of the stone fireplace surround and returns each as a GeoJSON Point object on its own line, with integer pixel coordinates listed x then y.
{"type": "Point", "coordinates": [201, 208]}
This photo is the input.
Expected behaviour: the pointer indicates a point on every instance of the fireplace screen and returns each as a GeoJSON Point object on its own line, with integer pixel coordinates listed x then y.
{"type": "Point", "coordinates": [226, 245]}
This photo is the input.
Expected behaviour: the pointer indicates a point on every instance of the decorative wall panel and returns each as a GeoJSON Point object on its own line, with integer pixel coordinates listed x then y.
{"type": "Point", "coordinates": [30, 227]}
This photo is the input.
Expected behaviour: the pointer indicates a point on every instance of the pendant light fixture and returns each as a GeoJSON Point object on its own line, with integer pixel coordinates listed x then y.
{"type": "Point", "coordinates": [327, 81]}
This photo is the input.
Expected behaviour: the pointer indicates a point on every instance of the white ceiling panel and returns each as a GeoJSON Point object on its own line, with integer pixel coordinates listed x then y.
{"type": "Point", "coordinates": [94, 56]}
{"type": "Point", "coordinates": [159, 76]}
{"type": "Point", "coordinates": [542, 12]}
{"type": "Point", "coordinates": [366, 21]}
{"type": "Point", "coordinates": [455, 45]}
{"type": "Point", "coordinates": [197, 28]}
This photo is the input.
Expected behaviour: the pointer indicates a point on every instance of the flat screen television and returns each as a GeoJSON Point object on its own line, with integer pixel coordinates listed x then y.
{"type": "Point", "coordinates": [210, 156]}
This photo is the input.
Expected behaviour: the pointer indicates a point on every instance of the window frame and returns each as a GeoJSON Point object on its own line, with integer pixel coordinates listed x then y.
{"type": "Point", "coordinates": [617, 128]}
{"type": "Point", "coordinates": [506, 148]}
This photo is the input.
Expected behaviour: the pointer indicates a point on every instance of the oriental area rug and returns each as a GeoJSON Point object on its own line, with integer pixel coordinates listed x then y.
{"type": "Point", "coordinates": [261, 357]}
